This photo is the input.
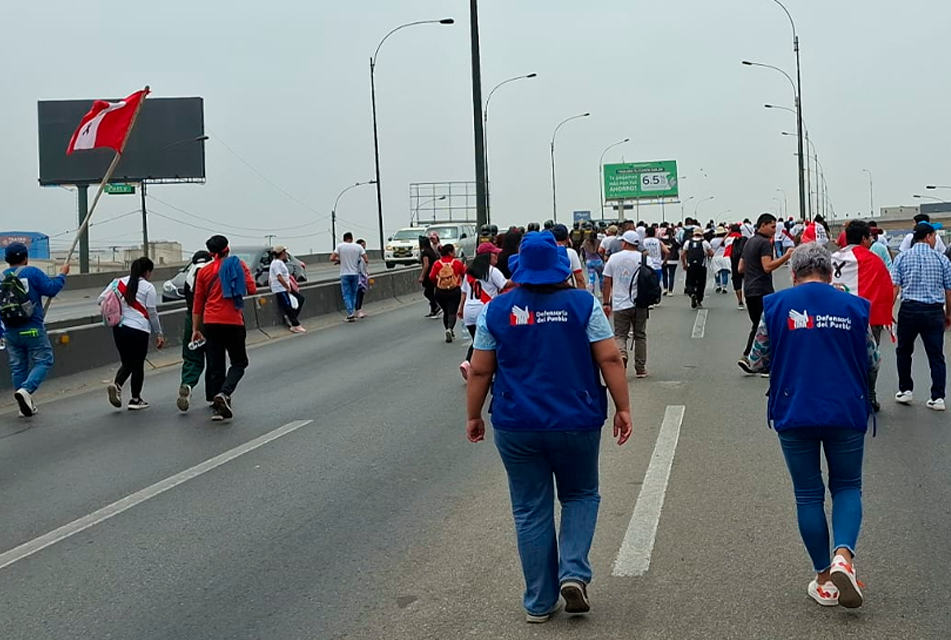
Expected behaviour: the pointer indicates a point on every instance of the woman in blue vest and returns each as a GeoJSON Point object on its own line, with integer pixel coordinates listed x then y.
{"type": "Point", "coordinates": [816, 342]}
{"type": "Point", "coordinates": [547, 346]}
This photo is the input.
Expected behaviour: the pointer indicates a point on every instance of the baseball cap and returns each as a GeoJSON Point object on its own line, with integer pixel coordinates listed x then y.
{"type": "Point", "coordinates": [16, 252]}
{"type": "Point", "coordinates": [560, 232]}
{"type": "Point", "coordinates": [487, 247]}
{"type": "Point", "coordinates": [631, 237]}
{"type": "Point", "coordinates": [922, 230]}
{"type": "Point", "coordinates": [278, 249]}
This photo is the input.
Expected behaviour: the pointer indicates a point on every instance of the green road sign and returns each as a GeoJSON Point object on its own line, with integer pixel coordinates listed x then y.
{"type": "Point", "coordinates": [641, 180]}
{"type": "Point", "coordinates": [120, 189]}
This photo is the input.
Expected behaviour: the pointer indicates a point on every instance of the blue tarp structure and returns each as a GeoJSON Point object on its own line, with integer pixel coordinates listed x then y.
{"type": "Point", "coordinates": [37, 243]}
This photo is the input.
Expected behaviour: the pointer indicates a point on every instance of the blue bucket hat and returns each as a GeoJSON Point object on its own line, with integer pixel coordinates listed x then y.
{"type": "Point", "coordinates": [541, 260]}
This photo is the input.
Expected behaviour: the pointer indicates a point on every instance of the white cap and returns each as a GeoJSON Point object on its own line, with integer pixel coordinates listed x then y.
{"type": "Point", "coordinates": [631, 237]}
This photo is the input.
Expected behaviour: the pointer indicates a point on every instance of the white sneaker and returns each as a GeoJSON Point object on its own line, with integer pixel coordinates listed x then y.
{"type": "Point", "coordinates": [904, 397]}
{"type": "Point", "coordinates": [184, 396]}
{"type": "Point", "coordinates": [843, 576]}
{"type": "Point", "coordinates": [936, 405]}
{"type": "Point", "coordinates": [827, 595]}
{"type": "Point", "coordinates": [25, 401]}
{"type": "Point", "coordinates": [114, 392]}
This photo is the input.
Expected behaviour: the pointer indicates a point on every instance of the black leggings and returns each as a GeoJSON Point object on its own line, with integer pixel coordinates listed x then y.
{"type": "Point", "coordinates": [448, 300]}
{"type": "Point", "coordinates": [133, 346]}
{"type": "Point", "coordinates": [754, 307]}
{"type": "Point", "coordinates": [429, 292]}
{"type": "Point", "coordinates": [472, 329]}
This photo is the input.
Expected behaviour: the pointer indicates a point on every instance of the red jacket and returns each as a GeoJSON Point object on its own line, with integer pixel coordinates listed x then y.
{"type": "Point", "coordinates": [210, 304]}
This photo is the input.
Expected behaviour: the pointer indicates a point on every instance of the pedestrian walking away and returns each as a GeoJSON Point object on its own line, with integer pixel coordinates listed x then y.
{"type": "Point", "coordinates": [348, 255]}
{"type": "Point", "coordinates": [620, 301]}
{"type": "Point", "coordinates": [922, 279]}
{"type": "Point", "coordinates": [817, 344]}
{"type": "Point", "coordinates": [576, 279]}
{"type": "Point", "coordinates": [720, 263]}
{"type": "Point", "coordinates": [363, 282]}
{"type": "Point", "coordinates": [193, 354]}
{"type": "Point", "coordinates": [26, 342]}
{"type": "Point", "coordinates": [670, 264]}
{"type": "Point", "coordinates": [656, 251]}
{"type": "Point", "coordinates": [427, 258]}
{"type": "Point", "coordinates": [909, 239]}
{"type": "Point", "coordinates": [734, 243]}
{"type": "Point", "coordinates": [757, 265]}
{"type": "Point", "coordinates": [138, 305]}
{"type": "Point", "coordinates": [447, 276]}
{"type": "Point", "coordinates": [548, 439]}
{"type": "Point", "coordinates": [218, 319]}
{"type": "Point", "coordinates": [694, 261]}
{"type": "Point", "coordinates": [283, 286]}
{"type": "Point", "coordinates": [856, 270]}
{"type": "Point", "coordinates": [591, 255]}
{"type": "Point", "coordinates": [481, 284]}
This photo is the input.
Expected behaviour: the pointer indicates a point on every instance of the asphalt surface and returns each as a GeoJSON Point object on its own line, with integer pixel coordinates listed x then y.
{"type": "Point", "coordinates": [81, 303]}
{"type": "Point", "coordinates": [378, 520]}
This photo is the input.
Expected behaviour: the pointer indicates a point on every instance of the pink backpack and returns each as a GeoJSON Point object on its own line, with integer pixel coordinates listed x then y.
{"type": "Point", "coordinates": [111, 306]}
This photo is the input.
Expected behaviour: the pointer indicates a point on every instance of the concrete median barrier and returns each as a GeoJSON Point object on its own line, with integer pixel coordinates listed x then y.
{"type": "Point", "coordinates": [87, 344]}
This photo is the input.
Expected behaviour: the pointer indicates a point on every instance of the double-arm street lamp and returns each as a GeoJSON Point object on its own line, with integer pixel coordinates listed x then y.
{"type": "Point", "coordinates": [601, 172]}
{"type": "Point", "coordinates": [485, 136]}
{"type": "Point", "coordinates": [376, 139]}
{"type": "Point", "coordinates": [333, 212]}
{"type": "Point", "coordinates": [554, 196]}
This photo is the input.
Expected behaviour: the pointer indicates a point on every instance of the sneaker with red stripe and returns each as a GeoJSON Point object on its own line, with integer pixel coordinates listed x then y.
{"type": "Point", "coordinates": [850, 589]}
{"type": "Point", "coordinates": [827, 594]}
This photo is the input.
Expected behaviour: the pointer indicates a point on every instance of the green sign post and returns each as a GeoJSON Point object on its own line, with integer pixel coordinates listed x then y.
{"type": "Point", "coordinates": [120, 189]}
{"type": "Point", "coordinates": [641, 180]}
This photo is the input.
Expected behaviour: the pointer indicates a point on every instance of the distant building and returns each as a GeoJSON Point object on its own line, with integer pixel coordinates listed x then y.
{"type": "Point", "coordinates": [38, 244]}
{"type": "Point", "coordinates": [161, 253]}
{"type": "Point", "coordinates": [895, 218]}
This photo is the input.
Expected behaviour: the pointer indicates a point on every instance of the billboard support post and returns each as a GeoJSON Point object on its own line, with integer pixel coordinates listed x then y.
{"type": "Point", "coordinates": [145, 224]}
{"type": "Point", "coordinates": [82, 192]}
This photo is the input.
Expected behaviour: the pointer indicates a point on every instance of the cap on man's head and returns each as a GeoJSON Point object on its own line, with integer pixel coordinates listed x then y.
{"type": "Point", "coordinates": [16, 253]}
{"type": "Point", "coordinates": [632, 238]}
{"type": "Point", "coordinates": [922, 231]}
{"type": "Point", "coordinates": [560, 232]}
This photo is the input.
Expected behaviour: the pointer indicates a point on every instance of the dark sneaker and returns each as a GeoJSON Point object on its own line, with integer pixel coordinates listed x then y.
{"type": "Point", "coordinates": [693, 302]}
{"type": "Point", "coordinates": [115, 395]}
{"type": "Point", "coordinates": [575, 594]}
{"type": "Point", "coordinates": [351, 319]}
{"type": "Point", "coordinates": [216, 417]}
{"type": "Point", "coordinates": [745, 365]}
{"type": "Point", "coordinates": [448, 335]}
{"type": "Point", "coordinates": [184, 394]}
{"type": "Point", "coordinates": [223, 406]}
{"type": "Point", "coordinates": [138, 404]}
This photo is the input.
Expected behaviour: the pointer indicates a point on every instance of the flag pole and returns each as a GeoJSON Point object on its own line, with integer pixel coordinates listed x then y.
{"type": "Point", "coordinates": [102, 186]}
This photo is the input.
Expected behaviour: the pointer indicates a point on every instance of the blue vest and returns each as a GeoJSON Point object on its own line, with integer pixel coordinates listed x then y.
{"type": "Point", "coordinates": [819, 358]}
{"type": "Point", "coordinates": [546, 379]}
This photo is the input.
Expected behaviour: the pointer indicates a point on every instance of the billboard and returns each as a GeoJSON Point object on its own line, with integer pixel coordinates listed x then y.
{"type": "Point", "coordinates": [164, 146]}
{"type": "Point", "coordinates": [38, 244]}
{"type": "Point", "coordinates": [641, 180]}
{"type": "Point", "coordinates": [581, 216]}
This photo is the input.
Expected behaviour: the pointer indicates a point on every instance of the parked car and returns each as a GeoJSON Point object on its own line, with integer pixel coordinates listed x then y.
{"type": "Point", "coordinates": [403, 247]}
{"type": "Point", "coordinates": [258, 259]}
{"type": "Point", "coordinates": [460, 234]}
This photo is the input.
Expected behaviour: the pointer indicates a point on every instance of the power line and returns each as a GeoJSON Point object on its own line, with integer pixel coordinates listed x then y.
{"type": "Point", "coordinates": [231, 226]}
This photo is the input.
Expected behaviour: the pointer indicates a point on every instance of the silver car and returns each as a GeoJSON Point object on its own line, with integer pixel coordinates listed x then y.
{"type": "Point", "coordinates": [462, 235]}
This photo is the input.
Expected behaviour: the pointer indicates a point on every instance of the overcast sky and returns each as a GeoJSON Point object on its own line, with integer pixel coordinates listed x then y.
{"type": "Point", "coordinates": [286, 86]}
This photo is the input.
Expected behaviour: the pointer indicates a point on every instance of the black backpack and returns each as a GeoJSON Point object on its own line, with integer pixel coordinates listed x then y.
{"type": "Point", "coordinates": [16, 308]}
{"type": "Point", "coordinates": [737, 251]}
{"type": "Point", "coordinates": [695, 253]}
{"type": "Point", "coordinates": [648, 286]}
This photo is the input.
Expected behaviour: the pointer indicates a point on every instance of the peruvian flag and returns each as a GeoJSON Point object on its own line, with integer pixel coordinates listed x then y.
{"type": "Point", "coordinates": [107, 124]}
{"type": "Point", "coordinates": [858, 271]}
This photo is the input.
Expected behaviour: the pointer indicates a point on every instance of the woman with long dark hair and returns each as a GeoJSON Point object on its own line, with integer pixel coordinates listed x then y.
{"type": "Point", "coordinates": [509, 248]}
{"type": "Point", "coordinates": [483, 282]}
{"type": "Point", "coordinates": [427, 258]}
{"type": "Point", "coordinates": [140, 319]}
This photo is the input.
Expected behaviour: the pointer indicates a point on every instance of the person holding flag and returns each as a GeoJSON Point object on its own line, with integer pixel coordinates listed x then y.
{"type": "Point", "coordinates": [856, 270]}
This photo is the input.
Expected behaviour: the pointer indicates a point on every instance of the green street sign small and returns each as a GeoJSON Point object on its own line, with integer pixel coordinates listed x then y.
{"type": "Point", "coordinates": [120, 189]}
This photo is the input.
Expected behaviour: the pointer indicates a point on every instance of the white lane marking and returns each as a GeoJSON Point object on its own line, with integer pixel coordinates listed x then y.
{"type": "Point", "coordinates": [634, 557]}
{"type": "Point", "coordinates": [700, 324]}
{"type": "Point", "coordinates": [76, 526]}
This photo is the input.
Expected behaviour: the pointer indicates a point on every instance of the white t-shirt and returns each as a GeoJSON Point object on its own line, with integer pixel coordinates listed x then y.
{"type": "Point", "coordinates": [491, 286]}
{"type": "Point", "coordinates": [908, 241]}
{"type": "Point", "coordinates": [576, 266]}
{"type": "Point", "coordinates": [655, 255]}
{"type": "Point", "coordinates": [350, 254]}
{"type": "Point", "coordinates": [718, 245]}
{"type": "Point", "coordinates": [747, 230]}
{"type": "Point", "coordinates": [822, 238]}
{"type": "Point", "coordinates": [145, 296]}
{"type": "Point", "coordinates": [611, 244]}
{"type": "Point", "coordinates": [622, 268]}
{"type": "Point", "coordinates": [278, 268]}
{"type": "Point", "coordinates": [642, 232]}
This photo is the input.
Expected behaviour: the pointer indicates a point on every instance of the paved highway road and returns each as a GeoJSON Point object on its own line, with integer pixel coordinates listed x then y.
{"type": "Point", "coordinates": [369, 515]}
{"type": "Point", "coordinates": [81, 303]}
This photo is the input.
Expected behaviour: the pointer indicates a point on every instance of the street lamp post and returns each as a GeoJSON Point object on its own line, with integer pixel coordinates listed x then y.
{"type": "Point", "coordinates": [420, 206]}
{"type": "Point", "coordinates": [918, 195]}
{"type": "Point", "coordinates": [809, 173]}
{"type": "Point", "coordinates": [376, 139]}
{"type": "Point", "coordinates": [937, 186]}
{"type": "Point", "coordinates": [485, 143]}
{"type": "Point", "coordinates": [785, 201]}
{"type": "Point", "coordinates": [601, 171]}
{"type": "Point", "coordinates": [333, 212]}
{"type": "Point", "coordinates": [696, 207]}
{"type": "Point", "coordinates": [871, 194]}
{"type": "Point", "coordinates": [682, 205]}
{"type": "Point", "coordinates": [554, 196]}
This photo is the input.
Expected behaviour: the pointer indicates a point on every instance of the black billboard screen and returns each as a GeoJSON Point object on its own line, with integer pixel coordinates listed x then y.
{"type": "Point", "coordinates": [165, 144]}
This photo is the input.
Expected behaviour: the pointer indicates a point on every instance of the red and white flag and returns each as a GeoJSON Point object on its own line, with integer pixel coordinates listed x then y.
{"type": "Point", "coordinates": [858, 271]}
{"type": "Point", "coordinates": [106, 124]}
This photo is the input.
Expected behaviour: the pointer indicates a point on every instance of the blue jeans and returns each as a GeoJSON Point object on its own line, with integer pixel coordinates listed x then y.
{"type": "Point", "coordinates": [925, 320]}
{"type": "Point", "coordinates": [595, 274]}
{"type": "Point", "coordinates": [533, 459]}
{"type": "Point", "coordinates": [31, 356]}
{"type": "Point", "coordinates": [722, 278]}
{"type": "Point", "coordinates": [348, 286]}
{"type": "Point", "coordinates": [843, 450]}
